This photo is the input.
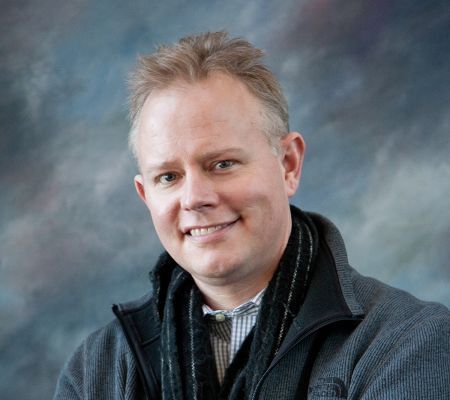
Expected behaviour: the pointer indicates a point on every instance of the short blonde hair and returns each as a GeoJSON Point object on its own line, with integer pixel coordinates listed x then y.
{"type": "Point", "coordinates": [191, 59]}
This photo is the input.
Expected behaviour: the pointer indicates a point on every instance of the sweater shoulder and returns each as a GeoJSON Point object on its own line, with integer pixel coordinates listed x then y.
{"type": "Point", "coordinates": [387, 307]}
{"type": "Point", "coordinates": [399, 333]}
{"type": "Point", "coordinates": [108, 339]}
{"type": "Point", "coordinates": [101, 367]}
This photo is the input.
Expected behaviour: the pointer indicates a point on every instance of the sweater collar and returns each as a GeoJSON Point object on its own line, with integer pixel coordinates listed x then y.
{"type": "Point", "coordinates": [330, 297]}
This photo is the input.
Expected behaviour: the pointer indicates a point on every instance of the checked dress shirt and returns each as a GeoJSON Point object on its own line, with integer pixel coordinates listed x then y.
{"type": "Point", "coordinates": [229, 328]}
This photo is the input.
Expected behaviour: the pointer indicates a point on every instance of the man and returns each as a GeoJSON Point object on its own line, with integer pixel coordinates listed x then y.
{"type": "Point", "coordinates": [254, 299]}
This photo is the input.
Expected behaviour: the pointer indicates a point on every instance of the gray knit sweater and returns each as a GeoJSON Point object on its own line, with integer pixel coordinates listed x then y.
{"type": "Point", "coordinates": [386, 345]}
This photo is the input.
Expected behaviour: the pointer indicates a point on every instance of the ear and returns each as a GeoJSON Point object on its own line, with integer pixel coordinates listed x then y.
{"type": "Point", "coordinates": [140, 189]}
{"type": "Point", "coordinates": [292, 153]}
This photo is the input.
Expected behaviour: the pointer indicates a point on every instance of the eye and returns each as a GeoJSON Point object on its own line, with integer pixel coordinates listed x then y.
{"type": "Point", "coordinates": [166, 178]}
{"type": "Point", "coordinates": [224, 164]}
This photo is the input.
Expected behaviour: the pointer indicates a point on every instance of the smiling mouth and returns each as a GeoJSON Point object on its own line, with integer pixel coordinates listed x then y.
{"type": "Point", "coordinates": [197, 232]}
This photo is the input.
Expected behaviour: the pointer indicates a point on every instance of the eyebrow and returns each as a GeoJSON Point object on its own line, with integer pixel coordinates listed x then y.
{"type": "Point", "coordinates": [208, 155]}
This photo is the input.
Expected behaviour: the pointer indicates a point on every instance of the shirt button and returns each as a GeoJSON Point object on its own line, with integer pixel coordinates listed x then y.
{"type": "Point", "coordinates": [220, 317]}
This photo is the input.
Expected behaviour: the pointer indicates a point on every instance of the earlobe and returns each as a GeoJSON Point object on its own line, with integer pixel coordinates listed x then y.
{"type": "Point", "coordinates": [139, 185]}
{"type": "Point", "coordinates": [293, 148]}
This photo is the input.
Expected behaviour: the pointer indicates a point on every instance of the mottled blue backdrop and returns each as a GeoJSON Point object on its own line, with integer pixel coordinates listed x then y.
{"type": "Point", "coordinates": [368, 86]}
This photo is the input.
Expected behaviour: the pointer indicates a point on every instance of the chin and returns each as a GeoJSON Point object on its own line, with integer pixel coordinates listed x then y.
{"type": "Point", "coordinates": [215, 270]}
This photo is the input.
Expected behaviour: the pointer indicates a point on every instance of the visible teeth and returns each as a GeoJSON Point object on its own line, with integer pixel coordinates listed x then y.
{"type": "Point", "coordinates": [205, 231]}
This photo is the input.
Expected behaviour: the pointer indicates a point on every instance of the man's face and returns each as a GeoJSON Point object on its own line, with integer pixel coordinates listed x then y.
{"type": "Point", "coordinates": [216, 190]}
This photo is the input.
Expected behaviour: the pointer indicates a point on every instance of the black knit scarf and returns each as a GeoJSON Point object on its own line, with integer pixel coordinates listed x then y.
{"type": "Point", "coordinates": [188, 368]}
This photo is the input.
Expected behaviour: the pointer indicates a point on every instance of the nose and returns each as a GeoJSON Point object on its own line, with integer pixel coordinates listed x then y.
{"type": "Point", "coordinates": [198, 192]}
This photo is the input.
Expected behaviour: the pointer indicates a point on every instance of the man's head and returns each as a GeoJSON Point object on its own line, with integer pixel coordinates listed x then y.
{"type": "Point", "coordinates": [193, 59]}
{"type": "Point", "coordinates": [216, 190]}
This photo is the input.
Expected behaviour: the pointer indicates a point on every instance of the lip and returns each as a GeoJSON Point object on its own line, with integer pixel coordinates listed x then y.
{"type": "Point", "coordinates": [208, 236]}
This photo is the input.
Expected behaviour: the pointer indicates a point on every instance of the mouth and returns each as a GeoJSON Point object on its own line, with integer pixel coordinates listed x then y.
{"type": "Point", "coordinates": [202, 231]}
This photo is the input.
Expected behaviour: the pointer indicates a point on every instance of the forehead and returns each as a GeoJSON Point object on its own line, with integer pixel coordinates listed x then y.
{"type": "Point", "coordinates": [214, 105]}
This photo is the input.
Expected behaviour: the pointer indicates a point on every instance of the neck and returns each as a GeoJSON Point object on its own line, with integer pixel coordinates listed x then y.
{"type": "Point", "coordinates": [230, 297]}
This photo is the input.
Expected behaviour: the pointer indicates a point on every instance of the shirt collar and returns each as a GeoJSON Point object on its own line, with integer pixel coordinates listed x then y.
{"type": "Point", "coordinates": [241, 309]}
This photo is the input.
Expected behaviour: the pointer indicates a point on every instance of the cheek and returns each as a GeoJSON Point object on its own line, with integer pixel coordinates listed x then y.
{"type": "Point", "coordinates": [167, 230]}
{"type": "Point", "coordinates": [253, 198]}
{"type": "Point", "coordinates": [268, 187]}
{"type": "Point", "coordinates": [162, 211]}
